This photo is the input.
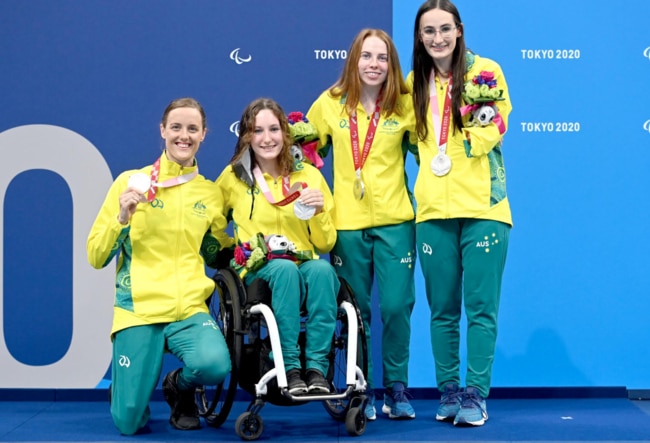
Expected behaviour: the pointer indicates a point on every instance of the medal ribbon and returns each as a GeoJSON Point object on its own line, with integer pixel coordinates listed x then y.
{"type": "Point", "coordinates": [174, 181]}
{"type": "Point", "coordinates": [286, 188]}
{"type": "Point", "coordinates": [360, 158]}
{"type": "Point", "coordinates": [441, 128]}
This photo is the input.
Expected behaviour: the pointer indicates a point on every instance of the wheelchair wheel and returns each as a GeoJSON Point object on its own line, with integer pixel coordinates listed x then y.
{"type": "Point", "coordinates": [249, 426]}
{"type": "Point", "coordinates": [339, 409]}
{"type": "Point", "coordinates": [355, 421]}
{"type": "Point", "coordinates": [233, 294]}
{"type": "Point", "coordinates": [226, 310]}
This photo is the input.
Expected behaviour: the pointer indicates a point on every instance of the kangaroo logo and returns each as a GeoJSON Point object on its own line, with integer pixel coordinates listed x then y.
{"type": "Point", "coordinates": [124, 361]}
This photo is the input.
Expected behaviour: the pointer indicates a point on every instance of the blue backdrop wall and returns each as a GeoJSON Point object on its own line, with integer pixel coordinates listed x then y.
{"type": "Point", "coordinates": [84, 84]}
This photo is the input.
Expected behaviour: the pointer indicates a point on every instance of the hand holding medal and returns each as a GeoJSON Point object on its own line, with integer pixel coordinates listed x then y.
{"type": "Point", "coordinates": [311, 201]}
{"type": "Point", "coordinates": [137, 185]}
{"type": "Point", "coordinates": [140, 182]}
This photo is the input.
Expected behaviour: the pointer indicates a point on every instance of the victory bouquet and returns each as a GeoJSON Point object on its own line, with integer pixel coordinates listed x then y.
{"type": "Point", "coordinates": [480, 94]}
{"type": "Point", "coordinates": [305, 139]}
{"type": "Point", "coordinates": [255, 253]}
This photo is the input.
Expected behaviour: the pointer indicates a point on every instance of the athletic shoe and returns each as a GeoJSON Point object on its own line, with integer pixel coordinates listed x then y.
{"type": "Point", "coordinates": [472, 410]}
{"type": "Point", "coordinates": [449, 402]}
{"type": "Point", "coordinates": [396, 405]}
{"type": "Point", "coordinates": [185, 413]}
{"type": "Point", "coordinates": [295, 384]}
{"type": "Point", "coordinates": [316, 382]}
{"type": "Point", "coordinates": [370, 411]}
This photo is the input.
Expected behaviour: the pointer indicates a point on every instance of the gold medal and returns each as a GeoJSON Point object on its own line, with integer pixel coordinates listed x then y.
{"type": "Point", "coordinates": [359, 188]}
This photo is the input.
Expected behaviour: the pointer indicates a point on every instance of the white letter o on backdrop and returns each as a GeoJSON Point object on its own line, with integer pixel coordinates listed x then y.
{"type": "Point", "coordinates": [88, 176]}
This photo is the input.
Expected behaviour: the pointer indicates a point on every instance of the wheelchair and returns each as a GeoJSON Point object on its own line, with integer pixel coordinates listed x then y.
{"type": "Point", "coordinates": [249, 327]}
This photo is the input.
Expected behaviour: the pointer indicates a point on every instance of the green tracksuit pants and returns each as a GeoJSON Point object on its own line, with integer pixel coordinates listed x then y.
{"type": "Point", "coordinates": [138, 357]}
{"type": "Point", "coordinates": [386, 253]}
{"type": "Point", "coordinates": [314, 284]}
{"type": "Point", "coordinates": [462, 261]}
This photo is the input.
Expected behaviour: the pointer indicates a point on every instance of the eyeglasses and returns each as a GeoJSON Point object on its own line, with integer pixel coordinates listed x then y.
{"type": "Point", "coordinates": [445, 31]}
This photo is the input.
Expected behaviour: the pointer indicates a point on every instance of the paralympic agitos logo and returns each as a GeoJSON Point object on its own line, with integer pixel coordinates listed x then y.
{"type": "Point", "coordinates": [646, 126]}
{"type": "Point", "coordinates": [234, 56]}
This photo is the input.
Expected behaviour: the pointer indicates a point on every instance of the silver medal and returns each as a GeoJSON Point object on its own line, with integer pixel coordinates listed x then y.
{"type": "Point", "coordinates": [303, 211]}
{"type": "Point", "coordinates": [140, 182]}
{"type": "Point", "coordinates": [441, 164]}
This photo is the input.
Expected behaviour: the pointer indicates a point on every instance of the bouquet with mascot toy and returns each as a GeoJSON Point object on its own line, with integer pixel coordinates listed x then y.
{"type": "Point", "coordinates": [305, 139]}
{"type": "Point", "coordinates": [255, 253]}
{"type": "Point", "coordinates": [480, 94]}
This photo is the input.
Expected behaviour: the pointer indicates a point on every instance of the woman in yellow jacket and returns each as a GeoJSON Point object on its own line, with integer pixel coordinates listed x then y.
{"type": "Point", "coordinates": [160, 223]}
{"type": "Point", "coordinates": [366, 118]}
{"type": "Point", "coordinates": [265, 191]}
{"type": "Point", "coordinates": [463, 219]}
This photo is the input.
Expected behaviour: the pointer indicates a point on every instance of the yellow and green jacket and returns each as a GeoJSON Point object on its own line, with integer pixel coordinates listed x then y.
{"type": "Point", "coordinates": [251, 213]}
{"type": "Point", "coordinates": [162, 252]}
{"type": "Point", "coordinates": [475, 187]}
{"type": "Point", "coordinates": [387, 199]}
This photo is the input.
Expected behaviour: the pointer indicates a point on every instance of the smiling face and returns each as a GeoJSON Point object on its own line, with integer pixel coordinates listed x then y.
{"type": "Point", "coordinates": [373, 62]}
{"type": "Point", "coordinates": [439, 33]}
{"type": "Point", "coordinates": [267, 141]}
{"type": "Point", "coordinates": [183, 132]}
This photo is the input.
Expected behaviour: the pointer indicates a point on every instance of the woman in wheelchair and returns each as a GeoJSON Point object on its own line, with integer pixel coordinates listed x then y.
{"type": "Point", "coordinates": [266, 193]}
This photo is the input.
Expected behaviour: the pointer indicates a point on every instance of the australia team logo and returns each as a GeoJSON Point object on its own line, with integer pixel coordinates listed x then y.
{"type": "Point", "coordinates": [234, 56]}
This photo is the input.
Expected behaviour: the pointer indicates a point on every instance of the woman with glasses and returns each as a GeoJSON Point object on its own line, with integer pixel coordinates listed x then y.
{"type": "Point", "coordinates": [365, 118]}
{"type": "Point", "coordinates": [463, 216]}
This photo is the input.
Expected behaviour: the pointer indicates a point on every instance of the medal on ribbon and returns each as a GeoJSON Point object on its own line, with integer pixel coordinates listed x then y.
{"type": "Point", "coordinates": [291, 193]}
{"type": "Point", "coordinates": [441, 163]}
{"type": "Point", "coordinates": [303, 211]}
{"type": "Point", "coordinates": [359, 158]}
{"type": "Point", "coordinates": [359, 189]}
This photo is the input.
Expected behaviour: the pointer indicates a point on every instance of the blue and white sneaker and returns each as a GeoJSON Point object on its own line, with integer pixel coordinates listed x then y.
{"type": "Point", "coordinates": [449, 402]}
{"type": "Point", "coordinates": [370, 411]}
{"type": "Point", "coordinates": [396, 405]}
{"type": "Point", "coordinates": [472, 410]}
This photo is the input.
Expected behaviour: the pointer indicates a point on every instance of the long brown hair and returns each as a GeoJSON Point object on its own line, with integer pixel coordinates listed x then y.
{"type": "Point", "coordinates": [349, 83]}
{"type": "Point", "coordinates": [423, 67]}
{"type": "Point", "coordinates": [247, 129]}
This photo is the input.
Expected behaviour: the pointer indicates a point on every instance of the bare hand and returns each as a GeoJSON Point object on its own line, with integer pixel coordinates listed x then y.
{"type": "Point", "coordinates": [313, 197]}
{"type": "Point", "coordinates": [129, 200]}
